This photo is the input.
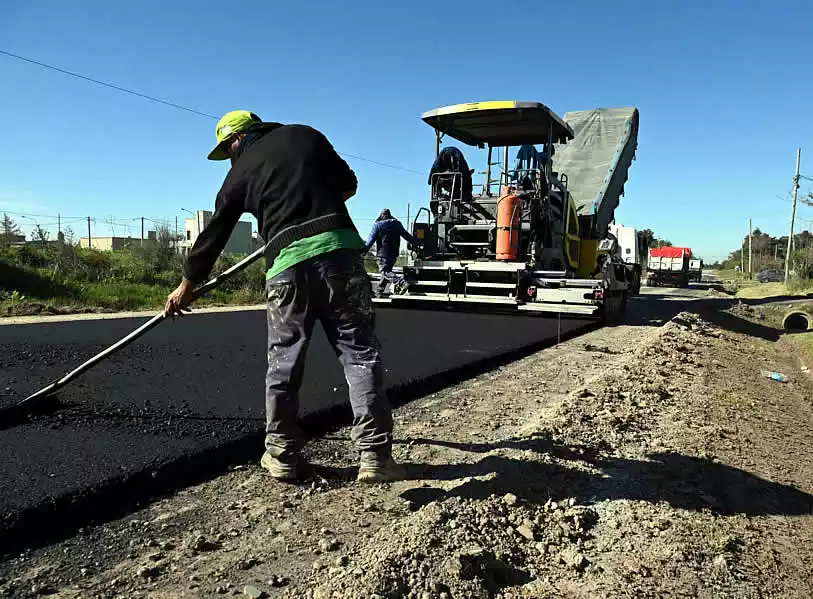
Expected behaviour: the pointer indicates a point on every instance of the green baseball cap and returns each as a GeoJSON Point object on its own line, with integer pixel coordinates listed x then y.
{"type": "Point", "coordinates": [229, 125]}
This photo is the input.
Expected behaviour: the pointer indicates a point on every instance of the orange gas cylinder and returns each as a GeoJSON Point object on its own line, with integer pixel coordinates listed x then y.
{"type": "Point", "coordinates": [508, 220]}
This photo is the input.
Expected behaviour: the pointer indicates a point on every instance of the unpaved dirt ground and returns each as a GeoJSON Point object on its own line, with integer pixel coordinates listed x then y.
{"type": "Point", "coordinates": [635, 461]}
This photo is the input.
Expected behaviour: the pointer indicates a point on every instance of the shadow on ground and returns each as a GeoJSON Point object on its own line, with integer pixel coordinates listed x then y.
{"type": "Point", "coordinates": [682, 481]}
{"type": "Point", "coordinates": [655, 310]}
{"type": "Point", "coordinates": [735, 324]}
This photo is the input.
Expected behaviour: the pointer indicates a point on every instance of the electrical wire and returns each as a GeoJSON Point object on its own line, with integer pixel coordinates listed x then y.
{"type": "Point", "coordinates": [173, 104]}
{"type": "Point", "coordinates": [26, 214]}
{"type": "Point", "coordinates": [103, 83]}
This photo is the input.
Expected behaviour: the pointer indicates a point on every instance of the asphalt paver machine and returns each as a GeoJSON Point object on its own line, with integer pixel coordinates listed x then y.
{"type": "Point", "coordinates": [533, 236]}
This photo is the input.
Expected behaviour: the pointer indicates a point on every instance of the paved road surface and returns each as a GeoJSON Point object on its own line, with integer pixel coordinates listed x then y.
{"type": "Point", "coordinates": [192, 385]}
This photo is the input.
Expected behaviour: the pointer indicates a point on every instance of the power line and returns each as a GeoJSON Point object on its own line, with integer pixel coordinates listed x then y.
{"type": "Point", "coordinates": [43, 215]}
{"type": "Point", "coordinates": [119, 221]}
{"type": "Point", "coordinates": [103, 83]}
{"type": "Point", "coordinates": [393, 166]}
{"type": "Point", "coordinates": [172, 104]}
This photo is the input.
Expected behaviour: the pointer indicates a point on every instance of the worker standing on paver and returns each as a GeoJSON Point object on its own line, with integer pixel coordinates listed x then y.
{"type": "Point", "coordinates": [292, 180]}
{"type": "Point", "coordinates": [386, 234]}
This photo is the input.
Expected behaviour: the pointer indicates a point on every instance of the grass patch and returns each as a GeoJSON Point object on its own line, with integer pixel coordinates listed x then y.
{"type": "Point", "coordinates": [64, 279]}
{"type": "Point", "coordinates": [756, 290]}
{"type": "Point", "coordinates": [726, 274]}
{"type": "Point", "coordinates": [804, 341]}
{"type": "Point", "coordinates": [734, 281]}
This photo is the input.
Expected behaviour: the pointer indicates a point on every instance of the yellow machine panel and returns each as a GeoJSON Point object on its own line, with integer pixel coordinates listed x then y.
{"type": "Point", "coordinates": [588, 254]}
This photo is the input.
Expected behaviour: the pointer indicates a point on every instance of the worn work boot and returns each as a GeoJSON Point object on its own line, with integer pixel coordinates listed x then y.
{"type": "Point", "coordinates": [289, 469]}
{"type": "Point", "coordinates": [402, 288]}
{"type": "Point", "coordinates": [375, 468]}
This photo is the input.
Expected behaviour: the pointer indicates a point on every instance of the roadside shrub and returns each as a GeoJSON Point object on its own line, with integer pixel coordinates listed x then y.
{"type": "Point", "coordinates": [137, 277]}
{"type": "Point", "coordinates": [28, 255]}
{"type": "Point", "coordinates": [799, 285]}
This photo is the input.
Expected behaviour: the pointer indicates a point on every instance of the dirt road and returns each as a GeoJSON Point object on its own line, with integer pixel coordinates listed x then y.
{"type": "Point", "coordinates": [645, 460]}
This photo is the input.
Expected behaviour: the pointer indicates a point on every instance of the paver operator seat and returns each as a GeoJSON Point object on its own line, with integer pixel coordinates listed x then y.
{"type": "Point", "coordinates": [450, 176]}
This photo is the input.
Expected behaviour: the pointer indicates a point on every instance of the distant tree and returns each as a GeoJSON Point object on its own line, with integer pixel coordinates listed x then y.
{"type": "Point", "coordinates": [162, 252]}
{"type": "Point", "coordinates": [652, 241]}
{"type": "Point", "coordinates": [8, 230]}
{"type": "Point", "coordinates": [70, 236]}
{"type": "Point", "coordinates": [803, 262]}
{"type": "Point", "coordinates": [646, 236]}
{"type": "Point", "coordinates": [40, 235]}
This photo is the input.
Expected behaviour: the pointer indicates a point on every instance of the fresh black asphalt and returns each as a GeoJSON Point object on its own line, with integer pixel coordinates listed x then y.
{"type": "Point", "coordinates": [190, 387]}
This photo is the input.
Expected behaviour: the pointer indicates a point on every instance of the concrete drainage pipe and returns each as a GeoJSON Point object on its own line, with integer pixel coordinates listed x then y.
{"type": "Point", "coordinates": [796, 321]}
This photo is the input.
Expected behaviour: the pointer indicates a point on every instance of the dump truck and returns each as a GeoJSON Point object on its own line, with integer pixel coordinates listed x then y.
{"type": "Point", "coordinates": [672, 266]}
{"type": "Point", "coordinates": [533, 236]}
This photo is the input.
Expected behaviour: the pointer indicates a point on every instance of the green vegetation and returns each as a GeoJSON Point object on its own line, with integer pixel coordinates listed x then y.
{"type": "Point", "coordinates": [45, 276]}
{"type": "Point", "coordinates": [805, 343]}
{"type": "Point", "coordinates": [769, 252]}
{"type": "Point", "coordinates": [654, 242]}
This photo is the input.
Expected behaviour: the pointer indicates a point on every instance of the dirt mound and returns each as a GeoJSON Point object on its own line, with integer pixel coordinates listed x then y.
{"type": "Point", "coordinates": [469, 548]}
{"type": "Point", "coordinates": [605, 443]}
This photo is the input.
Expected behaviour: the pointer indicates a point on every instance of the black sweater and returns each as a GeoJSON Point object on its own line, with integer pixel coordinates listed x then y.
{"type": "Point", "coordinates": [291, 180]}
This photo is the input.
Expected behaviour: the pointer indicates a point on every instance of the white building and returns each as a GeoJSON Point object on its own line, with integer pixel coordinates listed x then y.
{"type": "Point", "coordinates": [240, 242]}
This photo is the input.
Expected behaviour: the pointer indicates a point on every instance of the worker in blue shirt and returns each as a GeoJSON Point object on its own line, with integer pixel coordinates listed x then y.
{"type": "Point", "coordinates": [386, 234]}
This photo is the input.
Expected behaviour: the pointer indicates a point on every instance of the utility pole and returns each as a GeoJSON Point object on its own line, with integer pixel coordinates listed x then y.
{"type": "Point", "coordinates": [750, 272]}
{"type": "Point", "coordinates": [408, 221]}
{"type": "Point", "coordinates": [58, 222]}
{"type": "Point", "coordinates": [793, 213]}
{"type": "Point", "coordinates": [88, 232]}
{"type": "Point", "coordinates": [742, 258]}
{"type": "Point", "coordinates": [142, 230]}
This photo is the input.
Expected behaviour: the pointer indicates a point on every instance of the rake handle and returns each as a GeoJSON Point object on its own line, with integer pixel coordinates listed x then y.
{"type": "Point", "coordinates": [154, 321]}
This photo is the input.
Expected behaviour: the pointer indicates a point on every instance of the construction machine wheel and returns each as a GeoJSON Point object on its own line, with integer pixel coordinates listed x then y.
{"type": "Point", "coordinates": [613, 309]}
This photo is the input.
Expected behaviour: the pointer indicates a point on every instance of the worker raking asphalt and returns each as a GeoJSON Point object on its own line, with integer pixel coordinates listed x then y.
{"type": "Point", "coordinates": [292, 180]}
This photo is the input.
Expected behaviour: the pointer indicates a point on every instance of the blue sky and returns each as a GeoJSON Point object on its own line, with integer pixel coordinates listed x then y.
{"type": "Point", "coordinates": [723, 88]}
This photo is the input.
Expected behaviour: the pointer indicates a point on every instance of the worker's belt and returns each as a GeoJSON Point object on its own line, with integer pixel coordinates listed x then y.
{"type": "Point", "coordinates": [289, 235]}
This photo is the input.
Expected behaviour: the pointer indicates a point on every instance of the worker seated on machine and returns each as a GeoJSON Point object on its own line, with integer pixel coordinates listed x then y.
{"type": "Point", "coordinates": [529, 170]}
{"type": "Point", "coordinates": [450, 175]}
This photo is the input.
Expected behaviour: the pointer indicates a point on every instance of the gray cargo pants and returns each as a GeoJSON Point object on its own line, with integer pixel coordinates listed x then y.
{"type": "Point", "coordinates": [335, 289]}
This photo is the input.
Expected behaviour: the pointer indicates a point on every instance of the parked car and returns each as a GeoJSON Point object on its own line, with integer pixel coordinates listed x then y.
{"type": "Point", "coordinates": [771, 276]}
